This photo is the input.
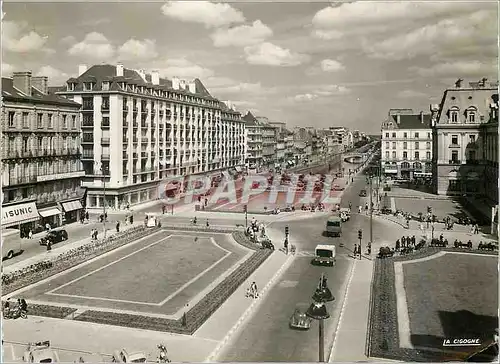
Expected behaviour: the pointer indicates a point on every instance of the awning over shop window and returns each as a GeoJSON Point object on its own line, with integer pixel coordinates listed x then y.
{"type": "Point", "coordinates": [19, 214]}
{"type": "Point", "coordinates": [390, 171]}
{"type": "Point", "coordinates": [72, 205]}
{"type": "Point", "coordinates": [50, 212]}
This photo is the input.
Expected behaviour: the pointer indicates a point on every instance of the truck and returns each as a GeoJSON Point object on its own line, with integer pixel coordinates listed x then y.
{"type": "Point", "coordinates": [122, 356]}
{"type": "Point", "coordinates": [334, 226]}
{"type": "Point", "coordinates": [324, 255]}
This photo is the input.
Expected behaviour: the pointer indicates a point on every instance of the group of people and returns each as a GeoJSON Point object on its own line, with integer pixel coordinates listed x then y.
{"type": "Point", "coordinates": [13, 311]}
{"type": "Point", "coordinates": [357, 251]}
{"type": "Point", "coordinates": [406, 241]}
{"type": "Point", "coordinates": [84, 216]}
{"type": "Point", "coordinates": [93, 234]}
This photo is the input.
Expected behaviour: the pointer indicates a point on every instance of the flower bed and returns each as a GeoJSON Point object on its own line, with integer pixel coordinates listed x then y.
{"type": "Point", "coordinates": [242, 239]}
{"type": "Point", "coordinates": [196, 316]}
{"type": "Point", "coordinates": [383, 330]}
{"type": "Point", "coordinates": [48, 310]}
{"type": "Point", "coordinates": [62, 262]}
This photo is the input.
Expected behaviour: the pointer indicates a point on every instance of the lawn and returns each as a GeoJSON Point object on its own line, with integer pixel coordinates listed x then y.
{"type": "Point", "coordinates": [151, 274]}
{"type": "Point", "coordinates": [452, 296]}
{"type": "Point", "coordinates": [440, 208]}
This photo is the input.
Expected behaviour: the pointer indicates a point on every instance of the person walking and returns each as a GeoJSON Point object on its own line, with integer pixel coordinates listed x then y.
{"type": "Point", "coordinates": [87, 216]}
{"type": "Point", "coordinates": [30, 234]}
{"type": "Point", "coordinates": [118, 226]}
{"type": "Point", "coordinates": [355, 251]}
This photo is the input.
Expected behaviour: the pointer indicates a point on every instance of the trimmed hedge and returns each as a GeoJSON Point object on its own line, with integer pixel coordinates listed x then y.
{"type": "Point", "coordinates": [383, 330]}
{"type": "Point", "coordinates": [48, 310]}
{"type": "Point", "coordinates": [196, 316]}
{"type": "Point", "coordinates": [62, 262]}
{"type": "Point", "coordinates": [242, 239]}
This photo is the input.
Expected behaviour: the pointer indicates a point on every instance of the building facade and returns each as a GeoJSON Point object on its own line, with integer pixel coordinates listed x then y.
{"type": "Point", "coordinates": [253, 131]}
{"type": "Point", "coordinates": [407, 145]}
{"type": "Point", "coordinates": [465, 133]}
{"type": "Point", "coordinates": [41, 168]}
{"type": "Point", "coordinates": [269, 141]}
{"type": "Point", "coordinates": [138, 129]}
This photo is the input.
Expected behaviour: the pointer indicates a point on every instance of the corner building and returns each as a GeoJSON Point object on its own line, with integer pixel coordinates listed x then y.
{"type": "Point", "coordinates": [138, 129]}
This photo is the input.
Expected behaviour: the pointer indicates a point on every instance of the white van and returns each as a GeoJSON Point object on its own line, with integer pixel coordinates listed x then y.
{"type": "Point", "coordinates": [325, 254]}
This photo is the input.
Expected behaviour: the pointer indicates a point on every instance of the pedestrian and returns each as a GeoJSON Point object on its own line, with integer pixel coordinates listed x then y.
{"type": "Point", "coordinates": [131, 219]}
{"type": "Point", "coordinates": [92, 234]}
{"type": "Point", "coordinates": [208, 225]}
{"type": "Point", "coordinates": [476, 229]}
{"type": "Point", "coordinates": [49, 245]}
{"type": "Point", "coordinates": [413, 240]}
{"type": "Point", "coordinates": [163, 209]}
{"type": "Point", "coordinates": [355, 252]}
{"type": "Point", "coordinates": [118, 226]}
{"type": "Point", "coordinates": [30, 234]}
{"type": "Point", "coordinates": [87, 216]}
{"type": "Point", "coordinates": [105, 216]}
{"type": "Point", "coordinates": [398, 245]}
{"type": "Point", "coordinates": [286, 245]}
{"type": "Point", "coordinates": [359, 209]}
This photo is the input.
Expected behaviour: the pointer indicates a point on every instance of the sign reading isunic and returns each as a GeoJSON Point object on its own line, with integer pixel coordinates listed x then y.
{"type": "Point", "coordinates": [19, 213]}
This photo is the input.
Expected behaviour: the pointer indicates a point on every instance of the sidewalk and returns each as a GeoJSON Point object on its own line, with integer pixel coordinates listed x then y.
{"type": "Point", "coordinates": [61, 248]}
{"type": "Point", "coordinates": [350, 340]}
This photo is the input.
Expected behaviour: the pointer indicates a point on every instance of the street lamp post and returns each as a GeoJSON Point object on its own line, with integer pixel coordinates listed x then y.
{"type": "Point", "coordinates": [371, 212]}
{"type": "Point", "coordinates": [104, 201]}
{"type": "Point", "coordinates": [317, 311]}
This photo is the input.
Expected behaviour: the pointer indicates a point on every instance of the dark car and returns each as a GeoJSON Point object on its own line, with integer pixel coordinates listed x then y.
{"type": "Point", "coordinates": [55, 236]}
{"type": "Point", "coordinates": [362, 193]}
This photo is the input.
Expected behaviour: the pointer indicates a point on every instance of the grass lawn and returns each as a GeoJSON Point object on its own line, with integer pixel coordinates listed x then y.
{"type": "Point", "coordinates": [453, 296]}
{"type": "Point", "coordinates": [150, 275]}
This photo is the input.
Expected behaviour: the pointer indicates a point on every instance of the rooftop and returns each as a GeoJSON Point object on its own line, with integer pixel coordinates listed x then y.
{"type": "Point", "coordinates": [413, 121]}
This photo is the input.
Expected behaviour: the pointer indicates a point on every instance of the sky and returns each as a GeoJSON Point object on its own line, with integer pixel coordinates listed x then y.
{"type": "Point", "coordinates": [314, 64]}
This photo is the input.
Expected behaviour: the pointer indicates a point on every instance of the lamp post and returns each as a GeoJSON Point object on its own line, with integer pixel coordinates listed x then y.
{"type": "Point", "coordinates": [104, 200]}
{"type": "Point", "coordinates": [317, 311]}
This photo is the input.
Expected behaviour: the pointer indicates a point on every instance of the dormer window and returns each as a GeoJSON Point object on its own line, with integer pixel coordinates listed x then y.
{"type": "Point", "coordinates": [88, 86]}
{"type": "Point", "coordinates": [471, 115]}
{"type": "Point", "coordinates": [71, 86]}
{"type": "Point", "coordinates": [105, 86]}
{"type": "Point", "coordinates": [453, 115]}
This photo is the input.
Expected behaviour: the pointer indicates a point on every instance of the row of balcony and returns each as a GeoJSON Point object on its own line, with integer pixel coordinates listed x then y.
{"type": "Point", "coordinates": [12, 154]}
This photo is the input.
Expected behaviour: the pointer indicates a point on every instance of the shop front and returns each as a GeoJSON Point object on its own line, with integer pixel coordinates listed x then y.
{"type": "Point", "coordinates": [72, 210]}
{"type": "Point", "coordinates": [22, 215]}
{"type": "Point", "coordinates": [51, 216]}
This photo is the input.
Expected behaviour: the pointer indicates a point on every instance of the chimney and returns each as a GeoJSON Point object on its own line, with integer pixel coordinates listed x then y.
{"type": "Point", "coordinates": [82, 68]}
{"type": "Point", "coordinates": [142, 73]}
{"type": "Point", "coordinates": [119, 70]}
{"type": "Point", "coordinates": [398, 119]}
{"type": "Point", "coordinates": [41, 83]}
{"type": "Point", "coordinates": [183, 84]}
{"type": "Point", "coordinates": [155, 77]}
{"type": "Point", "coordinates": [192, 87]}
{"type": "Point", "coordinates": [175, 82]}
{"type": "Point", "coordinates": [22, 82]}
{"type": "Point", "coordinates": [422, 117]}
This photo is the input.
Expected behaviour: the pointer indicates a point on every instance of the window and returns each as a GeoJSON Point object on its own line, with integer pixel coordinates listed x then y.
{"type": "Point", "coordinates": [417, 145]}
{"type": "Point", "coordinates": [26, 145]}
{"type": "Point", "coordinates": [73, 121]}
{"type": "Point", "coordinates": [12, 116]}
{"type": "Point", "coordinates": [71, 86]}
{"type": "Point", "coordinates": [428, 145]}
{"type": "Point", "coordinates": [471, 116]}
{"type": "Point", "coordinates": [65, 121]}
{"type": "Point", "coordinates": [405, 135]}
{"type": "Point", "coordinates": [87, 103]}
{"type": "Point", "coordinates": [393, 145]}
{"type": "Point", "coordinates": [417, 156]}
{"type": "Point", "coordinates": [472, 138]}
{"type": "Point", "coordinates": [39, 120]}
{"type": "Point", "coordinates": [405, 145]}
{"type": "Point", "coordinates": [386, 145]}
{"type": "Point", "coordinates": [405, 155]}
{"type": "Point", "coordinates": [50, 121]}
{"type": "Point", "coordinates": [454, 156]}
{"type": "Point", "coordinates": [454, 116]}
{"type": "Point", "coordinates": [386, 155]}
{"type": "Point", "coordinates": [105, 86]}
{"type": "Point", "coordinates": [428, 155]}
{"type": "Point", "coordinates": [393, 135]}
{"type": "Point", "coordinates": [417, 135]}
{"type": "Point", "coordinates": [454, 140]}
{"type": "Point", "coordinates": [454, 185]}
{"type": "Point", "coordinates": [88, 86]}
{"type": "Point", "coordinates": [105, 102]}
{"type": "Point", "coordinates": [428, 135]}
{"type": "Point", "coordinates": [26, 123]}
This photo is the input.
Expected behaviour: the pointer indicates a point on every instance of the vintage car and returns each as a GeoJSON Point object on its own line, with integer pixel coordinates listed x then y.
{"type": "Point", "coordinates": [362, 193]}
{"type": "Point", "coordinates": [40, 352]}
{"type": "Point", "coordinates": [123, 356]}
{"type": "Point", "coordinates": [55, 236]}
{"type": "Point", "coordinates": [299, 319]}
{"type": "Point", "coordinates": [345, 213]}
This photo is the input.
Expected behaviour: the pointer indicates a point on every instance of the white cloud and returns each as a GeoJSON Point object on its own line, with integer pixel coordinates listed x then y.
{"type": "Point", "coordinates": [55, 75]}
{"type": "Point", "coordinates": [331, 65]}
{"type": "Point", "coordinates": [210, 14]}
{"type": "Point", "coordinates": [183, 68]}
{"type": "Point", "coordinates": [15, 39]}
{"type": "Point", "coordinates": [138, 50]}
{"type": "Point", "coordinates": [241, 36]}
{"type": "Point", "coordinates": [305, 97]}
{"type": "Point", "coordinates": [321, 91]}
{"type": "Point", "coordinates": [236, 87]}
{"type": "Point", "coordinates": [327, 34]}
{"type": "Point", "coordinates": [69, 39]}
{"type": "Point", "coordinates": [458, 69]}
{"type": "Point", "coordinates": [272, 55]}
{"type": "Point", "coordinates": [7, 70]}
{"type": "Point", "coordinates": [478, 28]}
{"type": "Point", "coordinates": [407, 94]}
{"type": "Point", "coordinates": [94, 45]}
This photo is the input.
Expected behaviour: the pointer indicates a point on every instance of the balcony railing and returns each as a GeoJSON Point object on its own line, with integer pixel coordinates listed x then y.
{"type": "Point", "coordinates": [105, 123]}
{"type": "Point", "coordinates": [453, 145]}
{"type": "Point", "coordinates": [105, 107]}
{"type": "Point", "coordinates": [125, 108]}
{"type": "Point", "coordinates": [105, 157]}
{"type": "Point", "coordinates": [134, 139]}
{"type": "Point", "coordinates": [22, 180]}
{"type": "Point", "coordinates": [125, 155]}
{"type": "Point", "coordinates": [135, 124]}
{"type": "Point", "coordinates": [144, 140]}
{"type": "Point", "coordinates": [454, 161]}
{"type": "Point", "coordinates": [125, 140]}
{"type": "Point", "coordinates": [88, 156]}
{"type": "Point", "coordinates": [88, 140]}
{"type": "Point", "coordinates": [144, 124]}
{"type": "Point", "coordinates": [88, 123]}
{"type": "Point", "coordinates": [105, 140]}
{"type": "Point", "coordinates": [144, 110]}
{"type": "Point", "coordinates": [135, 155]}
{"type": "Point", "coordinates": [144, 154]}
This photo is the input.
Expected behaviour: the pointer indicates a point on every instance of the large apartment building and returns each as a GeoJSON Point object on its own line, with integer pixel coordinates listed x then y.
{"type": "Point", "coordinates": [253, 132]}
{"type": "Point", "coordinates": [465, 133]}
{"type": "Point", "coordinates": [41, 168]}
{"type": "Point", "coordinates": [407, 145]}
{"type": "Point", "coordinates": [269, 138]}
{"type": "Point", "coordinates": [138, 129]}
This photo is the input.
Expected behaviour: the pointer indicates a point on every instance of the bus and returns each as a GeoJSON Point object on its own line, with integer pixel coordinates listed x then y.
{"type": "Point", "coordinates": [334, 226]}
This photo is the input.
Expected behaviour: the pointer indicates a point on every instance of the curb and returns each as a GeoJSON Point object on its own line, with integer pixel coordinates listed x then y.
{"type": "Point", "coordinates": [211, 358]}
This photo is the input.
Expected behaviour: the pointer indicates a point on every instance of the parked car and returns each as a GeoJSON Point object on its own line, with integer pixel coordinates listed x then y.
{"type": "Point", "coordinates": [40, 352]}
{"type": "Point", "coordinates": [299, 319]}
{"type": "Point", "coordinates": [362, 193]}
{"type": "Point", "coordinates": [55, 236]}
{"type": "Point", "coordinates": [123, 356]}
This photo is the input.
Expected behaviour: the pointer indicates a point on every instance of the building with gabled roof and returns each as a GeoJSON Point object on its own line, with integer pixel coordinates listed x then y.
{"type": "Point", "coordinates": [140, 128]}
{"type": "Point", "coordinates": [253, 137]}
{"type": "Point", "coordinates": [41, 175]}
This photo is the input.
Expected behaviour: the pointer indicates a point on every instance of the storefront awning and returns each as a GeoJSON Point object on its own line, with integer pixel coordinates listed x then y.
{"type": "Point", "coordinates": [390, 171]}
{"type": "Point", "coordinates": [422, 174]}
{"type": "Point", "coordinates": [51, 211]}
{"type": "Point", "coordinates": [19, 214]}
{"type": "Point", "coordinates": [72, 205]}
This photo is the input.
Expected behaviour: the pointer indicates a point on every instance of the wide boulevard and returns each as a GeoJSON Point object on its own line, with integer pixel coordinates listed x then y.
{"type": "Point", "coordinates": [266, 336]}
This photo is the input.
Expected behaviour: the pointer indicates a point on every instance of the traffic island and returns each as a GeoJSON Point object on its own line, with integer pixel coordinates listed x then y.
{"type": "Point", "coordinates": [436, 302]}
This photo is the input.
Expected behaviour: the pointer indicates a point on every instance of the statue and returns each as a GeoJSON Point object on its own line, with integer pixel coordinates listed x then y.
{"type": "Point", "coordinates": [458, 83]}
